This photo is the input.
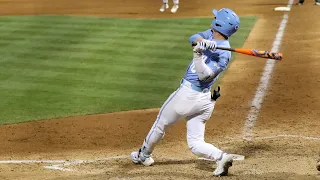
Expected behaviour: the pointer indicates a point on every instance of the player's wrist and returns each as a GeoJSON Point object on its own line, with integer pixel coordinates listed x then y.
{"type": "Point", "coordinates": [197, 54]}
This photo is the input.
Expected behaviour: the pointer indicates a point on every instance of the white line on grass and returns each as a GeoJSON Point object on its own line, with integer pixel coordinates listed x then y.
{"type": "Point", "coordinates": [264, 80]}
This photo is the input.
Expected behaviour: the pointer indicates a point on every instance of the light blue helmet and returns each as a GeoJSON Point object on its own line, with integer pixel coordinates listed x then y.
{"type": "Point", "coordinates": [226, 21]}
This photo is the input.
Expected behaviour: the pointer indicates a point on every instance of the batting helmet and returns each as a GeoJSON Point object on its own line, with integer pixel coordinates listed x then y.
{"type": "Point", "coordinates": [226, 21]}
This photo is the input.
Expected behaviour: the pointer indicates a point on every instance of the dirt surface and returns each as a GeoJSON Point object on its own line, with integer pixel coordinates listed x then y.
{"type": "Point", "coordinates": [286, 140]}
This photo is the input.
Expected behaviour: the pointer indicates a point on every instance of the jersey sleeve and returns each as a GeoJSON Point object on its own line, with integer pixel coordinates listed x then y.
{"type": "Point", "coordinates": [224, 59]}
{"type": "Point", "coordinates": [205, 35]}
{"type": "Point", "coordinates": [221, 63]}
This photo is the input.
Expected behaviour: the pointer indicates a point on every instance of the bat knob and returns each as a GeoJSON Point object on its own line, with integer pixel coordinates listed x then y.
{"type": "Point", "coordinates": [279, 56]}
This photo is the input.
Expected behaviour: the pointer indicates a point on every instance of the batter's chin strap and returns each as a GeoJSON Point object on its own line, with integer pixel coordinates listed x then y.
{"type": "Point", "coordinates": [215, 94]}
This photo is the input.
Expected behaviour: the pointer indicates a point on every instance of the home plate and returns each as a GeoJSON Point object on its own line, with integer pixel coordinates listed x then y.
{"type": "Point", "coordinates": [236, 157]}
{"type": "Point", "coordinates": [282, 9]}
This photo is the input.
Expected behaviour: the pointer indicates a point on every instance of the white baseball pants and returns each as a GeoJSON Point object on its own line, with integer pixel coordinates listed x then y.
{"type": "Point", "coordinates": [196, 107]}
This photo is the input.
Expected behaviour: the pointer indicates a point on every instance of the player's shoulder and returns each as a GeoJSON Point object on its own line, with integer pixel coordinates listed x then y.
{"type": "Point", "coordinates": [224, 53]}
{"type": "Point", "coordinates": [224, 43]}
{"type": "Point", "coordinates": [208, 33]}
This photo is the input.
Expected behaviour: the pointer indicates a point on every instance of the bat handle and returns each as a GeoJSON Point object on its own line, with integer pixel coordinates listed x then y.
{"type": "Point", "coordinates": [218, 47]}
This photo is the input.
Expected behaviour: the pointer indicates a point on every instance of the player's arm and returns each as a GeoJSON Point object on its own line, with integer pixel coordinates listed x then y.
{"type": "Point", "coordinates": [200, 36]}
{"type": "Point", "coordinates": [218, 67]}
{"type": "Point", "coordinates": [204, 72]}
{"type": "Point", "coordinates": [203, 37]}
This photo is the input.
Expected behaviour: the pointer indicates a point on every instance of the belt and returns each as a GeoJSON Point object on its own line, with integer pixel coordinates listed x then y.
{"type": "Point", "coordinates": [194, 87]}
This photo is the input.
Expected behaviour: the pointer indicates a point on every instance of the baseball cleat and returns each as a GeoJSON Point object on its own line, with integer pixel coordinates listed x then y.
{"type": "Point", "coordinates": [317, 3]}
{"type": "Point", "coordinates": [140, 157]}
{"type": "Point", "coordinates": [299, 3]}
{"type": "Point", "coordinates": [174, 8]}
{"type": "Point", "coordinates": [164, 7]}
{"type": "Point", "coordinates": [223, 166]}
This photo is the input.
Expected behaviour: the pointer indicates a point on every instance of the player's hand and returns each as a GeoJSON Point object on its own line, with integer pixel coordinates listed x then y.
{"type": "Point", "coordinates": [201, 46]}
{"type": "Point", "coordinates": [212, 45]}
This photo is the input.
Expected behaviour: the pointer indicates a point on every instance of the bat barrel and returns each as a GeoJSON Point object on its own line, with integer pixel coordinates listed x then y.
{"type": "Point", "coordinates": [276, 56]}
{"type": "Point", "coordinates": [267, 54]}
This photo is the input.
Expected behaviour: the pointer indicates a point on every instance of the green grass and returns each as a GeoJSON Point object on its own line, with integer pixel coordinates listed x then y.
{"type": "Point", "coordinates": [58, 66]}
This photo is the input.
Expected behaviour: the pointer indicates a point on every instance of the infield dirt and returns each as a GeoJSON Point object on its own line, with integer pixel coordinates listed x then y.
{"type": "Point", "coordinates": [287, 140]}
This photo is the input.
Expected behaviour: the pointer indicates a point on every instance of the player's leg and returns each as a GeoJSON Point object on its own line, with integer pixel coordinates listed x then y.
{"type": "Point", "coordinates": [166, 117]}
{"type": "Point", "coordinates": [196, 143]}
{"type": "Point", "coordinates": [164, 6]}
{"type": "Point", "coordinates": [175, 6]}
{"type": "Point", "coordinates": [195, 137]}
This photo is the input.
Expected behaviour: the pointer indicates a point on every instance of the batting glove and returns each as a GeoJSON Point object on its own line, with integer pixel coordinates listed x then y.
{"type": "Point", "coordinates": [212, 45]}
{"type": "Point", "coordinates": [201, 46]}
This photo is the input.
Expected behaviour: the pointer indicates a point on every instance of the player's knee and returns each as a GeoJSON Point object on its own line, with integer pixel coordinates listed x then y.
{"type": "Point", "coordinates": [195, 146]}
{"type": "Point", "coordinates": [194, 142]}
{"type": "Point", "coordinates": [161, 127]}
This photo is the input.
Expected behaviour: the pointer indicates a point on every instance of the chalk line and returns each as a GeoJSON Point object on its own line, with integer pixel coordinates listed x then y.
{"type": "Point", "coordinates": [59, 167]}
{"type": "Point", "coordinates": [237, 139]}
{"type": "Point", "coordinates": [288, 135]}
{"type": "Point", "coordinates": [30, 161]}
{"type": "Point", "coordinates": [60, 164]}
{"type": "Point", "coordinates": [264, 80]}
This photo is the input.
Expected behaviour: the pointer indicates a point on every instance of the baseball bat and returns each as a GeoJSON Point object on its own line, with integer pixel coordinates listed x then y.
{"type": "Point", "coordinates": [252, 52]}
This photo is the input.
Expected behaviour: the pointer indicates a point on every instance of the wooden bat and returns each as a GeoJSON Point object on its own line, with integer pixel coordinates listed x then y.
{"type": "Point", "coordinates": [252, 52]}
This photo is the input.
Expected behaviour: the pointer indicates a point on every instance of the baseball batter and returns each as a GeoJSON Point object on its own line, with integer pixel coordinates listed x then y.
{"type": "Point", "coordinates": [193, 100]}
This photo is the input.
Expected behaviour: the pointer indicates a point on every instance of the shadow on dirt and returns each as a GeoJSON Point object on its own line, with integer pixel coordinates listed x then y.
{"type": "Point", "coordinates": [249, 149]}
